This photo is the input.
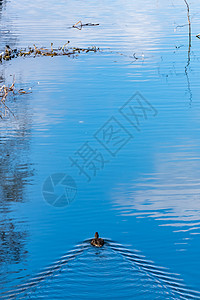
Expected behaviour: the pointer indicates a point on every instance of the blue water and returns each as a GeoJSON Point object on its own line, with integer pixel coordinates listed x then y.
{"type": "Point", "coordinates": [64, 176]}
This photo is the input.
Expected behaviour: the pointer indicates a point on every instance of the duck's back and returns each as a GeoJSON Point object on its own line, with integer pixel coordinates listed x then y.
{"type": "Point", "coordinates": [97, 242]}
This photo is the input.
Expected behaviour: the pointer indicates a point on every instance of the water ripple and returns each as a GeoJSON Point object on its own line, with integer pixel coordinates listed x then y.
{"type": "Point", "coordinates": [132, 274]}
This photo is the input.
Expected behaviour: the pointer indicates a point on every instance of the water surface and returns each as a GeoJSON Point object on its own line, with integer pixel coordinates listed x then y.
{"type": "Point", "coordinates": [144, 198]}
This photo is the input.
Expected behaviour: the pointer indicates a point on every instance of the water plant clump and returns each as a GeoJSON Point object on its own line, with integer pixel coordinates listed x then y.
{"type": "Point", "coordinates": [5, 91]}
{"type": "Point", "coordinates": [34, 51]}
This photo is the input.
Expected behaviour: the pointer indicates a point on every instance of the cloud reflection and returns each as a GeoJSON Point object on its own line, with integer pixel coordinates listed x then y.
{"type": "Point", "coordinates": [170, 194]}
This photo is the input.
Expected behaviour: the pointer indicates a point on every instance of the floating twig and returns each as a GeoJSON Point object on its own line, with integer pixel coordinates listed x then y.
{"type": "Point", "coordinates": [79, 25]}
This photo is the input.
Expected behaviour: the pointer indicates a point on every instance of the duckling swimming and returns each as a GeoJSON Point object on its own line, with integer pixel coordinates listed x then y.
{"type": "Point", "coordinates": [97, 242]}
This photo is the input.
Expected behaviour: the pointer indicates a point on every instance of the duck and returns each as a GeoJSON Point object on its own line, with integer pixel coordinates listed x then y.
{"type": "Point", "coordinates": [97, 241]}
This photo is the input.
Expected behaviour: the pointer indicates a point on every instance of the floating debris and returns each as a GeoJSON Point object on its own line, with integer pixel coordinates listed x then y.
{"type": "Point", "coordinates": [198, 36]}
{"type": "Point", "coordinates": [79, 25]}
{"type": "Point", "coordinates": [4, 92]}
{"type": "Point", "coordinates": [34, 51]}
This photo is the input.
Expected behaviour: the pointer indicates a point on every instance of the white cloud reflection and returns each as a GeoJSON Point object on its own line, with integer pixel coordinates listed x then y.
{"type": "Point", "coordinates": [170, 194]}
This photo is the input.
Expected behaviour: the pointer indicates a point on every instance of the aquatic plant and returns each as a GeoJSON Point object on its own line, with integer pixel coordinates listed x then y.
{"type": "Point", "coordinates": [4, 92]}
{"type": "Point", "coordinates": [34, 51]}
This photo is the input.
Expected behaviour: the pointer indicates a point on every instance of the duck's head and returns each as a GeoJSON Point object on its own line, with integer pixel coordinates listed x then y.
{"type": "Point", "coordinates": [96, 235]}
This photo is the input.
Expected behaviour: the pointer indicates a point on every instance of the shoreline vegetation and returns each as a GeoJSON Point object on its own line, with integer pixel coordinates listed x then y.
{"type": "Point", "coordinates": [9, 54]}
